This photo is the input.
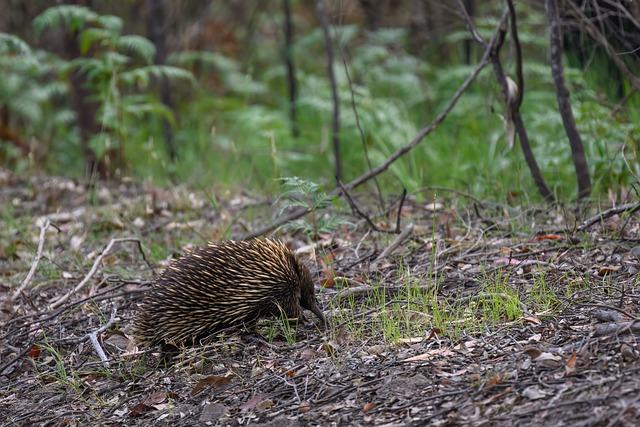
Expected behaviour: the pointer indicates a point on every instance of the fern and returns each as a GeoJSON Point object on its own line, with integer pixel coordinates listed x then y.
{"type": "Point", "coordinates": [138, 45]}
{"type": "Point", "coordinates": [71, 17]}
{"type": "Point", "coordinates": [13, 44]}
{"type": "Point", "coordinates": [142, 76]}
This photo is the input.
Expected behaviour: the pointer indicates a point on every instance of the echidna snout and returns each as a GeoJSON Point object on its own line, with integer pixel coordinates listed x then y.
{"type": "Point", "coordinates": [308, 299]}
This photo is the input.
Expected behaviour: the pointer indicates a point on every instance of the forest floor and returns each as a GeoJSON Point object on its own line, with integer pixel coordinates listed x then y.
{"type": "Point", "coordinates": [476, 314]}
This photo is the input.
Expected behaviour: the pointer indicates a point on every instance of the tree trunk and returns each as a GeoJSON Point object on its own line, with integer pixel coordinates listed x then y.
{"type": "Point", "coordinates": [564, 105]}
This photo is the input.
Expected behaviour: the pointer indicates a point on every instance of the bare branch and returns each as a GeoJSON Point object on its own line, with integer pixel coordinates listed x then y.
{"type": "Point", "coordinates": [599, 38]}
{"type": "Point", "coordinates": [93, 337]}
{"type": "Point", "coordinates": [401, 151]}
{"type": "Point", "coordinates": [57, 303]}
{"type": "Point", "coordinates": [36, 260]}
{"type": "Point", "coordinates": [361, 131]}
{"type": "Point", "coordinates": [513, 102]}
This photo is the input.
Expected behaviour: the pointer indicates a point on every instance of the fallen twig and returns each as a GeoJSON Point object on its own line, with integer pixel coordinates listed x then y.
{"type": "Point", "coordinates": [94, 268]}
{"type": "Point", "coordinates": [402, 199]}
{"type": "Point", "coordinates": [355, 208]}
{"type": "Point", "coordinates": [631, 208]}
{"type": "Point", "coordinates": [36, 260]}
{"type": "Point", "coordinates": [396, 242]}
{"type": "Point", "coordinates": [617, 328]}
{"type": "Point", "coordinates": [93, 337]}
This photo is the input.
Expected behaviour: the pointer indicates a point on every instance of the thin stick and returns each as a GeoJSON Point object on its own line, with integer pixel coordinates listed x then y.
{"type": "Point", "coordinates": [94, 268]}
{"type": "Point", "coordinates": [630, 208]}
{"type": "Point", "coordinates": [355, 207]}
{"type": "Point", "coordinates": [93, 337]}
{"type": "Point", "coordinates": [402, 199]}
{"type": "Point", "coordinates": [36, 260]}
{"type": "Point", "coordinates": [361, 131]}
{"type": "Point", "coordinates": [394, 245]}
{"type": "Point", "coordinates": [398, 153]}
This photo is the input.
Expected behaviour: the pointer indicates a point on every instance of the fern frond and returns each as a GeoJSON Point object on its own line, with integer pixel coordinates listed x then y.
{"type": "Point", "coordinates": [142, 76]}
{"type": "Point", "coordinates": [138, 45]}
{"type": "Point", "coordinates": [91, 36]}
{"type": "Point", "coordinates": [111, 23]}
{"type": "Point", "coordinates": [72, 17]}
{"type": "Point", "coordinates": [13, 44]}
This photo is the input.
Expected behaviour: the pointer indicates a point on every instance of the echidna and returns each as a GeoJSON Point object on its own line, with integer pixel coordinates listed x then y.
{"type": "Point", "coordinates": [224, 285]}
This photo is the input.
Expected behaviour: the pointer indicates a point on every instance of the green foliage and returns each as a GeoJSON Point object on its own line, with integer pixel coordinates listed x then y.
{"type": "Point", "coordinates": [13, 44]}
{"type": "Point", "coordinates": [301, 193]}
{"type": "Point", "coordinates": [234, 129]}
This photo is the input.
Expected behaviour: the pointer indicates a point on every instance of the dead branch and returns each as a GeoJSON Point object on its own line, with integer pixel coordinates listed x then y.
{"type": "Point", "coordinates": [36, 260]}
{"type": "Point", "coordinates": [398, 217]}
{"type": "Point", "coordinates": [361, 131]}
{"type": "Point", "coordinates": [629, 208]}
{"type": "Point", "coordinates": [513, 101]}
{"type": "Point", "coordinates": [93, 337]}
{"type": "Point", "coordinates": [564, 105]}
{"type": "Point", "coordinates": [617, 328]}
{"type": "Point", "coordinates": [401, 151]}
{"type": "Point", "coordinates": [394, 245]}
{"type": "Point", "coordinates": [355, 208]}
{"type": "Point", "coordinates": [57, 303]}
{"type": "Point", "coordinates": [599, 38]}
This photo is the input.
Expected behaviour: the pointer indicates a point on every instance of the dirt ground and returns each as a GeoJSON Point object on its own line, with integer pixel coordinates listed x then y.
{"type": "Point", "coordinates": [475, 314]}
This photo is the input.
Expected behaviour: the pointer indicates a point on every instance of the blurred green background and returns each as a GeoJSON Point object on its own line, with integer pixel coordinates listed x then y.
{"type": "Point", "coordinates": [110, 89]}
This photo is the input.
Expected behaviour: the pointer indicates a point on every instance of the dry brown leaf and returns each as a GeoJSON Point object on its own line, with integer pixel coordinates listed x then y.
{"type": "Point", "coordinates": [368, 406]}
{"type": "Point", "coordinates": [570, 366]}
{"type": "Point", "coordinates": [34, 351]}
{"type": "Point", "coordinates": [549, 237]}
{"type": "Point", "coordinates": [532, 352]}
{"type": "Point", "coordinates": [212, 381]}
{"type": "Point", "coordinates": [532, 320]}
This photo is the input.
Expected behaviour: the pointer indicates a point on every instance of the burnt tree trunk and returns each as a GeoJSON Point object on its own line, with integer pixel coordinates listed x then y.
{"type": "Point", "coordinates": [564, 105]}
{"type": "Point", "coordinates": [156, 27]}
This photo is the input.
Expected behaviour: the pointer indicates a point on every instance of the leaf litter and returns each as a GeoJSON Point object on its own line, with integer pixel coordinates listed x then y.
{"type": "Point", "coordinates": [488, 316]}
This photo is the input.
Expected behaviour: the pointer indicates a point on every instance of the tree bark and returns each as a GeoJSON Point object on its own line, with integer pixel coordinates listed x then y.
{"type": "Point", "coordinates": [564, 105]}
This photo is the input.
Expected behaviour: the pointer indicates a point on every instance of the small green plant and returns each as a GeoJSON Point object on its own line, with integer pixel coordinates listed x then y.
{"type": "Point", "coordinates": [301, 193]}
{"type": "Point", "coordinates": [541, 295]}
{"type": "Point", "coordinates": [498, 302]}
{"type": "Point", "coordinates": [282, 325]}
{"type": "Point", "coordinates": [61, 373]}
